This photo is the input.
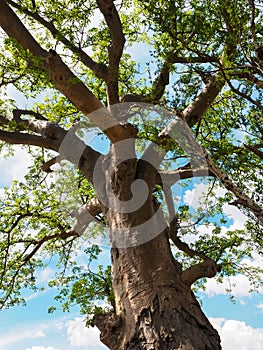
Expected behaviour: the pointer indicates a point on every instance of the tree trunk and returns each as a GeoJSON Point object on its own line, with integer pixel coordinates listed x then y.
{"type": "Point", "coordinates": [155, 308]}
{"type": "Point", "coordinates": [154, 305]}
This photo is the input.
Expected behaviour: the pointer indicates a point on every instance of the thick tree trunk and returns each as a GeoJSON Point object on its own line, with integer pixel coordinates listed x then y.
{"type": "Point", "coordinates": [154, 305]}
{"type": "Point", "coordinates": [155, 308]}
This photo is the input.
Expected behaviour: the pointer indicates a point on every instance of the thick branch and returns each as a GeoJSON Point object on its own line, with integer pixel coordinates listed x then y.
{"type": "Point", "coordinates": [18, 138]}
{"type": "Point", "coordinates": [67, 83]}
{"type": "Point", "coordinates": [15, 29]}
{"type": "Point", "coordinates": [52, 137]}
{"type": "Point", "coordinates": [112, 19]}
{"type": "Point", "coordinates": [174, 226]}
{"type": "Point", "coordinates": [49, 136]}
{"type": "Point", "coordinates": [208, 268]}
{"type": "Point", "coordinates": [184, 247]}
{"type": "Point", "coordinates": [47, 165]}
{"type": "Point", "coordinates": [158, 88]}
{"type": "Point", "coordinates": [99, 69]}
{"type": "Point", "coordinates": [37, 115]}
{"type": "Point", "coordinates": [174, 58]}
{"type": "Point", "coordinates": [4, 121]}
{"type": "Point", "coordinates": [250, 77]}
{"type": "Point", "coordinates": [40, 125]}
{"type": "Point", "coordinates": [255, 150]}
{"type": "Point", "coordinates": [171, 177]}
{"type": "Point", "coordinates": [85, 215]}
{"type": "Point", "coordinates": [195, 111]}
{"type": "Point", "coordinates": [160, 83]}
{"type": "Point", "coordinates": [63, 78]}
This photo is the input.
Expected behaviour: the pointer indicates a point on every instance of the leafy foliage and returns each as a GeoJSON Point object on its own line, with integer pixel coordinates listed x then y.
{"type": "Point", "coordinates": [91, 291]}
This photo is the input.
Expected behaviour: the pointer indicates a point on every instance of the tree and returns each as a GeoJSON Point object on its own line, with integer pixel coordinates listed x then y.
{"type": "Point", "coordinates": [194, 102]}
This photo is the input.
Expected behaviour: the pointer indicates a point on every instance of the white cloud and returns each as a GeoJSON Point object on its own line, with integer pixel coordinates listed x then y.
{"type": "Point", "coordinates": [239, 219]}
{"type": "Point", "coordinates": [195, 199]}
{"type": "Point", "coordinates": [81, 336]}
{"type": "Point", "coordinates": [45, 275]}
{"type": "Point", "coordinates": [16, 95]}
{"type": "Point", "coordinates": [237, 335]}
{"type": "Point", "coordinates": [239, 284]}
{"type": "Point", "coordinates": [34, 335]}
{"type": "Point", "coordinates": [18, 335]}
{"type": "Point", "coordinates": [256, 261]}
{"type": "Point", "coordinates": [34, 295]}
{"type": "Point", "coordinates": [260, 306]}
{"type": "Point", "coordinates": [41, 348]}
{"type": "Point", "coordinates": [14, 168]}
{"type": "Point", "coordinates": [196, 196]}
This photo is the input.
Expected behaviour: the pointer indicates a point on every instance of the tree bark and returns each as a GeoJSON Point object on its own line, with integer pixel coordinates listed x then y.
{"type": "Point", "coordinates": [155, 307]}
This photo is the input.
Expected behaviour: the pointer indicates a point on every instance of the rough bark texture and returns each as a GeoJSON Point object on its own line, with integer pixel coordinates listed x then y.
{"type": "Point", "coordinates": [155, 308]}
{"type": "Point", "coordinates": [154, 305]}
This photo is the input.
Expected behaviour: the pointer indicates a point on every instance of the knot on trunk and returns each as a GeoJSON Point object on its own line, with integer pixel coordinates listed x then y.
{"type": "Point", "coordinates": [109, 325]}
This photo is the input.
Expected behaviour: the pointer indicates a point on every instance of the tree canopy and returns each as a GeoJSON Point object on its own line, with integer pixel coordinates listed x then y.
{"type": "Point", "coordinates": [108, 70]}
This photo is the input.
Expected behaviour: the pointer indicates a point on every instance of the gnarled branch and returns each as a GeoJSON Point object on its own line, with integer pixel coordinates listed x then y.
{"type": "Point", "coordinates": [208, 268]}
{"type": "Point", "coordinates": [159, 84]}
